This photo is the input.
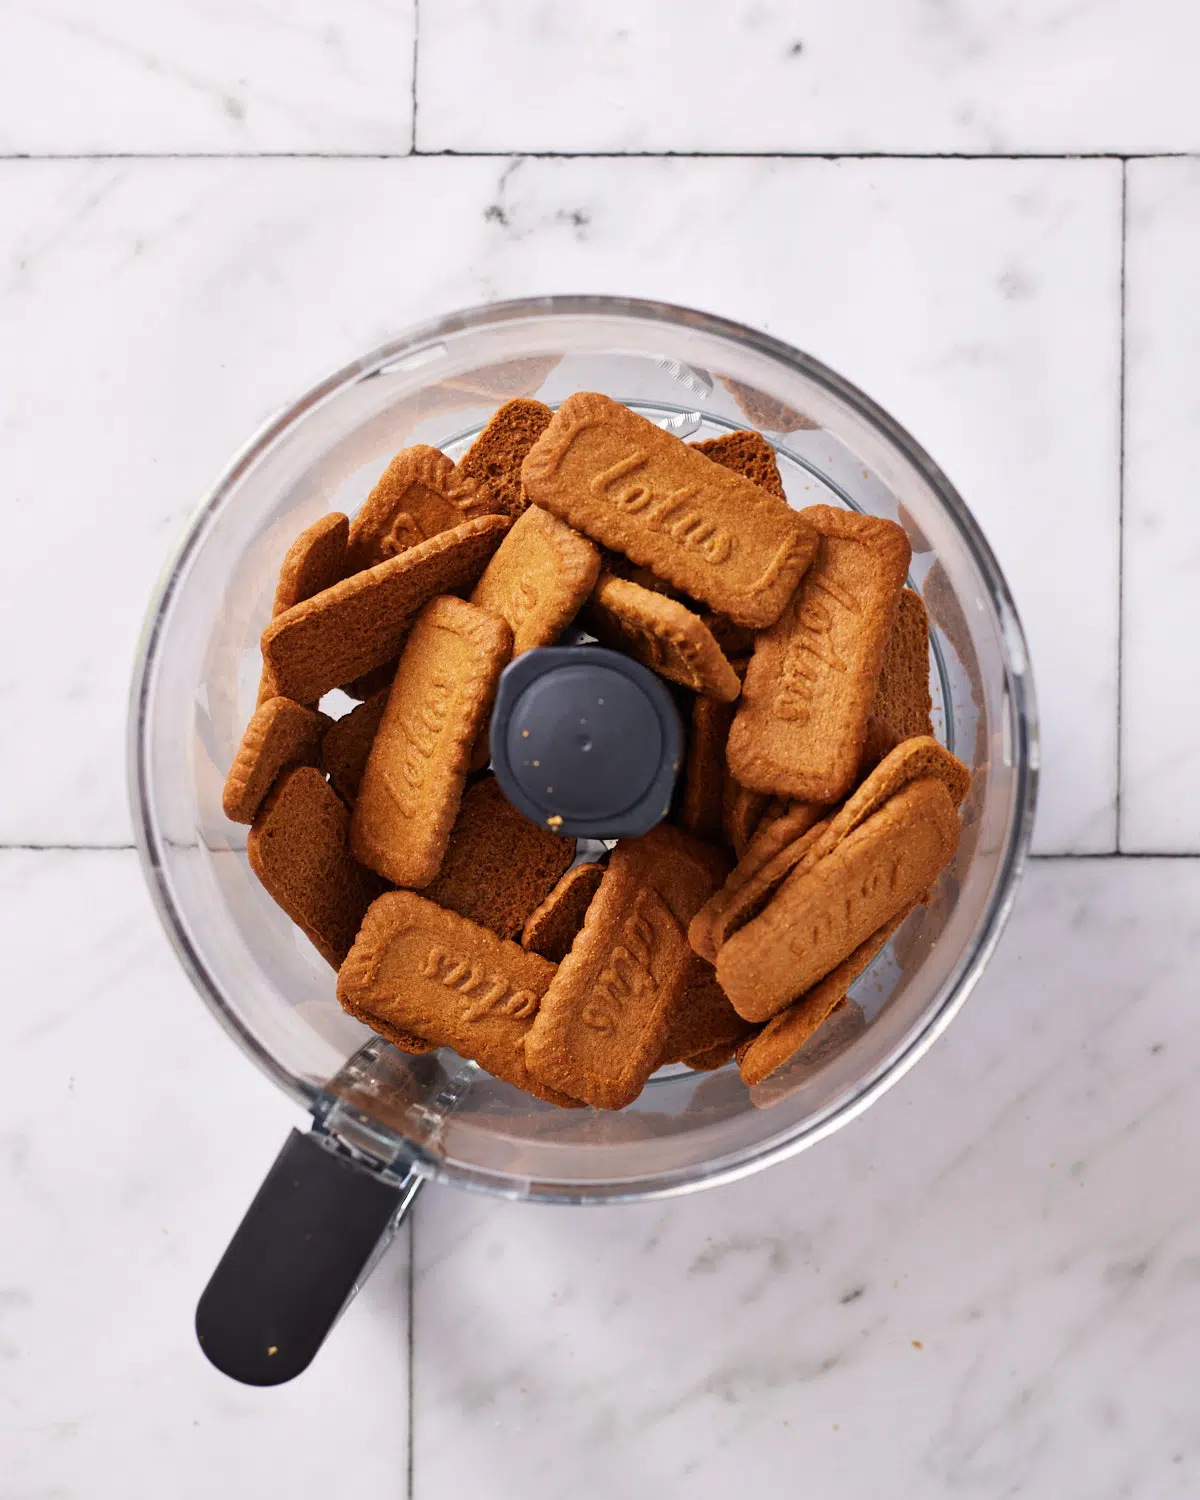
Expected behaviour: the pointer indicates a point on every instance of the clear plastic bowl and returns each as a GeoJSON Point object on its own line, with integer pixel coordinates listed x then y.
{"type": "Point", "coordinates": [195, 684]}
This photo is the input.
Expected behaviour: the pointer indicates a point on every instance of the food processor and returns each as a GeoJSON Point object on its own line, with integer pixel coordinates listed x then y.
{"type": "Point", "coordinates": [383, 1122]}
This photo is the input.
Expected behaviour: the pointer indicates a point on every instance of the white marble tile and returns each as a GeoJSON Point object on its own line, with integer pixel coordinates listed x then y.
{"type": "Point", "coordinates": [1160, 720]}
{"type": "Point", "coordinates": [154, 313]}
{"type": "Point", "coordinates": [86, 77]}
{"type": "Point", "coordinates": [761, 75]}
{"type": "Point", "coordinates": [132, 1136]}
{"type": "Point", "coordinates": [987, 1286]}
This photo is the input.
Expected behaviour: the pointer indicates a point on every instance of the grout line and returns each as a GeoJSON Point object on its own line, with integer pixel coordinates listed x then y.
{"type": "Point", "coordinates": [1121, 156]}
{"type": "Point", "coordinates": [412, 1391]}
{"type": "Point", "coordinates": [70, 848]}
{"type": "Point", "coordinates": [1121, 503]}
{"type": "Point", "coordinates": [826, 155]}
{"type": "Point", "coordinates": [416, 5]}
{"type": "Point", "coordinates": [1124, 855]}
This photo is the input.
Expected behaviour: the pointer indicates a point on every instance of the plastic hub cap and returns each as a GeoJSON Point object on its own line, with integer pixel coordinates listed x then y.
{"type": "Point", "coordinates": [585, 741]}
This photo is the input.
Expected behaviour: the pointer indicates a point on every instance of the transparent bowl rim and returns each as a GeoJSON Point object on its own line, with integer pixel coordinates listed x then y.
{"type": "Point", "coordinates": [1024, 751]}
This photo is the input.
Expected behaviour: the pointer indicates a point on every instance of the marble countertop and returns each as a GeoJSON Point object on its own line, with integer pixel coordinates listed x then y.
{"type": "Point", "coordinates": [989, 218]}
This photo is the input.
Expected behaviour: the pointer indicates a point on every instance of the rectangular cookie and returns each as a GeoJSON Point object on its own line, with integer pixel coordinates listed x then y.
{"type": "Point", "coordinates": [541, 573]}
{"type": "Point", "coordinates": [347, 744]}
{"type": "Point", "coordinates": [712, 533]}
{"type": "Point", "coordinates": [297, 847]}
{"type": "Point", "coordinates": [494, 459]}
{"type": "Point", "coordinates": [420, 494]}
{"type": "Point", "coordinates": [802, 720]}
{"type": "Point", "coordinates": [362, 622]}
{"type": "Point", "coordinates": [424, 970]}
{"type": "Point", "coordinates": [662, 634]}
{"type": "Point", "coordinates": [902, 705]}
{"type": "Point", "coordinates": [747, 453]}
{"type": "Point", "coordinates": [411, 788]}
{"type": "Point", "coordinates": [281, 733]}
{"type": "Point", "coordinates": [783, 1035]}
{"type": "Point", "coordinates": [554, 926]}
{"type": "Point", "coordinates": [741, 812]}
{"type": "Point", "coordinates": [604, 1019]}
{"type": "Point", "coordinates": [316, 560]}
{"type": "Point", "coordinates": [704, 773]}
{"type": "Point", "coordinates": [703, 1021]}
{"type": "Point", "coordinates": [909, 761]}
{"type": "Point", "coordinates": [498, 866]}
{"type": "Point", "coordinates": [772, 854]}
{"type": "Point", "coordinates": [830, 904]}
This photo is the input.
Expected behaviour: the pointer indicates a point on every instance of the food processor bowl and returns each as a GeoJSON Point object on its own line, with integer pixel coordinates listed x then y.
{"type": "Point", "coordinates": [384, 1121]}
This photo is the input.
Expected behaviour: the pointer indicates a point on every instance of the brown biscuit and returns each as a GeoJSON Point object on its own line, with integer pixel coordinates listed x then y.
{"type": "Point", "coordinates": [554, 926]}
{"type": "Point", "coordinates": [280, 734]}
{"type": "Point", "coordinates": [419, 495]}
{"type": "Point", "coordinates": [436, 975]}
{"type": "Point", "coordinates": [704, 773]}
{"type": "Point", "coordinates": [604, 1019]}
{"type": "Point", "coordinates": [662, 634]}
{"type": "Point", "coordinates": [347, 744]}
{"type": "Point", "coordinates": [314, 561]}
{"type": "Point", "coordinates": [910, 761]}
{"type": "Point", "coordinates": [407, 1041]}
{"type": "Point", "coordinates": [712, 1058]}
{"type": "Point", "coordinates": [775, 809]}
{"type": "Point", "coordinates": [783, 1035]}
{"type": "Point", "coordinates": [772, 854]}
{"type": "Point", "coordinates": [773, 857]}
{"type": "Point", "coordinates": [741, 813]}
{"type": "Point", "coordinates": [621, 567]}
{"type": "Point", "coordinates": [826, 908]}
{"type": "Point", "coordinates": [494, 459]}
{"type": "Point", "coordinates": [735, 640]}
{"type": "Point", "coordinates": [703, 1020]}
{"type": "Point", "coordinates": [541, 574]}
{"type": "Point", "coordinates": [297, 848]}
{"type": "Point", "coordinates": [362, 622]}
{"type": "Point", "coordinates": [713, 859]}
{"type": "Point", "coordinates": [411, 788]}
{"type": "Point", "coordinates": [717, 536]}
{"type": "Point", "coordinates": [481, 752]}
{"type": "Point", "coordinates": [802, 721]}
{"type": "Point", "coordinates": [902, 702]}
{"type": "Point", "coordinates": [881, 740]}
{"type": "Point", "coordinates": [498, 866]}
{"type": "Point", "coordinates": [377, 680]}
{"type": "Point", "coordinates": [746, 453]}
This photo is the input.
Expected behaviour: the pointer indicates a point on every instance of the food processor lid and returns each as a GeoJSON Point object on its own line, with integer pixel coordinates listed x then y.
{"type": "Point", "coordinates": [586, 741]}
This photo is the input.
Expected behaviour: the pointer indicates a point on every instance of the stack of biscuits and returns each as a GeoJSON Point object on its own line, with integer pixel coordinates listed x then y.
{"type": "Point", "coordinates": [815, 808]}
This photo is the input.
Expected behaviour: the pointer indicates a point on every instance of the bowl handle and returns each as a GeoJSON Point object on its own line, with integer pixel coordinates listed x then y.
{"type": "Point", "coordinates": [309, 1240]}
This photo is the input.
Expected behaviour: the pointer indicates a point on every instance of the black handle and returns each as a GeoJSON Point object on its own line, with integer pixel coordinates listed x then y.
{"type": "Point", "coordinates": [307, 1242]}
